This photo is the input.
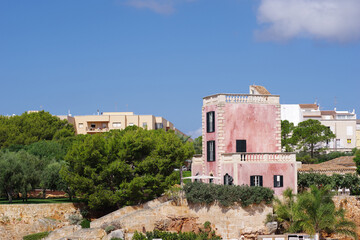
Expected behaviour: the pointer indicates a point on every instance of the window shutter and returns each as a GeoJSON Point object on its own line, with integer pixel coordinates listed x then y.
{"type": "Point", "coordinates": [260, 181]}
{"type": "Point", "coordinates": [240, 145]}
{"type": "Point", "coordinates": [208, 150]}
{"type": "Point", "coordinates": [275, 182]}
{"type": "Point", "coordinates": [252, 180]}
{"type": "Point", "coordinates": [281, 181]}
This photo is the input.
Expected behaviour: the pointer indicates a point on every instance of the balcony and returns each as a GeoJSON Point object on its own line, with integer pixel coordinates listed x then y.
{"type": "Point", "coordinates": [241, 98]}
{"type": "Point", "coordinates": [96, 130]}
{"type": "Point", "coordinates": [259, 157]}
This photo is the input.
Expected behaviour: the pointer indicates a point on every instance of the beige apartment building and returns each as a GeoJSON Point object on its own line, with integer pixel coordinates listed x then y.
{"type": "Point", "coordinates": [342, 123]}
{"type": "Point", "coordinates": [106, 121]}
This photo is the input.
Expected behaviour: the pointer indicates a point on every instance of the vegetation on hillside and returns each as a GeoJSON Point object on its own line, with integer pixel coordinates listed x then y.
{"type": "Point", "coordinates": [312, 212]}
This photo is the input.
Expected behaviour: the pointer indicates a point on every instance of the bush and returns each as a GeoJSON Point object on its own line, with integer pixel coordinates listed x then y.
{"type": "Point", "coordinates": [109, 229]}
{"type": "Point", "coordinates": [36, 236]}
{"type": "Point", "coordinates": [203, 235]}
{"type": "Point", "coordinates": [75, 219]}
{"type": "Point", "coordinates": [227, 195]}
{"type": "Point", "coordinates": [85, 223]}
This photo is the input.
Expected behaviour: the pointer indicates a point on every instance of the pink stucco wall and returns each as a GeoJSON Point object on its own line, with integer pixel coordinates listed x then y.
{"type": "Point", "coordinates": [255, 123]}
{"type": "Point", "coordinates": [268, 170]}
{"type": "Point", "coordinates": [210, 167]}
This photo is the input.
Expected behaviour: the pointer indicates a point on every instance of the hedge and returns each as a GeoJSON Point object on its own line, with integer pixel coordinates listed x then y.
{"type": "Point", "coordinates": [227, 195]}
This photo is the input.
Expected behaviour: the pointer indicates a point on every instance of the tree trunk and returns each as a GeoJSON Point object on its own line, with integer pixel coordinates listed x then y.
{"type": "Point", "coordinates": [44, 193]}
{"type": "Point", "coordinates": [9, 193]}
{"type": "Point", "coordinates": [312, 150]}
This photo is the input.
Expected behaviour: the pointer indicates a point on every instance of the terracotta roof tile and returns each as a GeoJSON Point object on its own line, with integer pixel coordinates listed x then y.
{"type": "Point", "coordinates": [313, 106]}
{"type": "Point", "coordinates": [261, 90]}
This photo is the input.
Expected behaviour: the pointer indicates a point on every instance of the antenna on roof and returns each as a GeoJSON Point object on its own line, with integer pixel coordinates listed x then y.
{"type": "Point", "coordinates": [335, 102]}
{"type": "Point", "coordinates": [69, 114]}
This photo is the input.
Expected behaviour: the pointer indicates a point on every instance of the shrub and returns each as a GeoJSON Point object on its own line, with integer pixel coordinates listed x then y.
{"type": "Point", "coordinates": [203, 235]}
{"type": "Point", "coordinates": [227, 195]}
{"type": "Point", "coordinates": [75, 219]}
{"type": "Point", "coordinates": [109, 229]}
{"type": "Point", "coordinates": [85, 223]}
{"type": "Point", "coordinates": [36, 236]}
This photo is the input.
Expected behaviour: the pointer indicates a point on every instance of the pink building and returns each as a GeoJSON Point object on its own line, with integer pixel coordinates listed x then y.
{"type": "Point", "coordinates": [242, 142]}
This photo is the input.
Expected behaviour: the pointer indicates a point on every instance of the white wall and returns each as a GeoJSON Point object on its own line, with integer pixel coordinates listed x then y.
{"type": "Point", "coordinates": [292, 113]}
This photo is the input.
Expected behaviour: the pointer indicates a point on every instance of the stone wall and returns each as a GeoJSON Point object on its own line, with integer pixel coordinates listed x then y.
{"type": "Point", "coordinates": [232, 222]}
{"type": "Point", "coordinates": [352, 206]}
{"type": "Point", "coordinates": [18, 220]}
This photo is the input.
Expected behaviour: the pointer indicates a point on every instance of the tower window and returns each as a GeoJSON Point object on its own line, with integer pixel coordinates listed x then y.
{"type": "Point", "coordinates": [210, 121]}
{"type": "Point", "coordinates": [210, 151]}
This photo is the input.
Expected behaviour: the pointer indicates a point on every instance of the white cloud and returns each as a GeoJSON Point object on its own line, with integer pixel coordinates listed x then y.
{"type": "Point", "coordinates": [196, 133]}
{"type": "Point", "coordinates": [158, 6]}
{"type": "Point", "coordinates": [334, 20]}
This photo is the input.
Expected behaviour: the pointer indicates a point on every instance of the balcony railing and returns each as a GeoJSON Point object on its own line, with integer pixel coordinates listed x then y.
{"type": "Point", "coordinates": [241, 98]}
{"type": "Point", "coordinates": [259, 157]}
{"type": "Point", "coordinates": [90, 129]}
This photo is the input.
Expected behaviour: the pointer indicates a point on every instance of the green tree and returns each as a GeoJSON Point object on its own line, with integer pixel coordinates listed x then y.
{"type": "Point", "coordinates": [313, 212]}
{"type": "Point", "coordinates": [310, 136]}
{"type": "Point", "coordinates": [124, 167]}
{"type": "Point", "coordinates": [198, 145]}
{"type": "Point", "coordinates": [316, 213]}
{"type": "Point", "coordinates": [357, 161]}
{"type": "Point", "coordinates": [287, 141]}
{"type": "Point", "coordinates": [32, 127]}
{"type": "Point", "coordinates": [11, 174]}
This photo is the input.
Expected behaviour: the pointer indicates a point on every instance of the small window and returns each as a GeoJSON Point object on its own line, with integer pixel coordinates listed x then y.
{"type": "Point", "coordinates": [144, 124]}
{"type": "Point", "coordinates": [210, 122]}
{"type": "Point", "coordinates": [240, 145]}
{"type": "Point", "coordinates": [349, 141]}
{"type": "Point", "coordinates": [93, 125]}
{"type": "Point", "coordinates": [131, 124]}
{"type": "Point", "coordinates": [104, 125]}
{"type": "Point", "coordinates": [81, 125]}
{"type": "Point", "coordinates": [228, 180]}
{"type": "Point", "coordinates": [159, 125]}
{"type": "Point", "coordinates": [210, 151]}
{"type": "Point", "coordinates": [256, 180]}
{"type": "Point", "coordinates": [278, 181]}
{"type": "Point", "coordinates": [211, 180]}
{"type": "Point", "coordinates": [116, 124]}
{"type": "Point", "coordinates": [196, 180]}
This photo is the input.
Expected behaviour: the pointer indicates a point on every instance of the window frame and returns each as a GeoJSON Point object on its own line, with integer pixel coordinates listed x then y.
{"type": "Point", "coordinates": [210, 126]}
{"type": "Point", "coordinates": [278, 183]}
{"type": "Point", "coordinates": [208, 148]}
{"type": "Point", "coordinates": [256, 180]}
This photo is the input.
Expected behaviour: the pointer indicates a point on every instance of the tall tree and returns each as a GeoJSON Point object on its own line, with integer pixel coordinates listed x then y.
{"type": "Point", "coordinates": [310, 135]}
{"type": "Point", "coordinates": [313, 212]}
{"type": "Point", "coordinates": [124, 167]}
{"type": "Point", "coordinates": [198, 145]}
{"type": "Point", "coordinates": [32, 127]}
{"type": "Point", "coordinates": [357, 161]}
{"type": "Point", "coordinates": [287, 141]}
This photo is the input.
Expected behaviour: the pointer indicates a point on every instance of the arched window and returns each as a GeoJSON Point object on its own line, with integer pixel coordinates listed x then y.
{"type": "Point", "coordinates": [211, 180]}
{"type": "Point", "coordinates": [196, 180]}
{"type": "Point", "coordinates": [228, 180]}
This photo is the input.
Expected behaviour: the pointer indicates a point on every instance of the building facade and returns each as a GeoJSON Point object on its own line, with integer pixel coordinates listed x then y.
{"type": "Point", "coordinates": [242, 144]}
{"type": "Point", "coordinates": [341, 123]}
{"type": "Point", "coordinates": [106, 121]}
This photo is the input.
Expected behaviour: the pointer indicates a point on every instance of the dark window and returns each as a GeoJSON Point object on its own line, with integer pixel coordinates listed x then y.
{"type": "Point", "coordinates": [210, 121]}
{"type": "Point", "coordinates": [240, 145]}
{"type": "Point", "coordinates": [93, 125]}
{"type": "Point", "coordinates": [278, 181]}
{"type": "Point", "coordinates": [210, 151]}
{"type": "Point", "coordinates": [256, 180]}
{"type": "Point", "coordinates": [211, 180]}
{"type": "Point", "coordinates": [159, 126]}
{"type": "Point", "coordinates": [196, 180]}
{"type": "Point", "coordinates": [228, 180]}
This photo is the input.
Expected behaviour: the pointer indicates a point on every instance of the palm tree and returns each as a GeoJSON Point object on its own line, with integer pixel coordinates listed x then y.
{"type": "Point", "coordinates": [315, 212]}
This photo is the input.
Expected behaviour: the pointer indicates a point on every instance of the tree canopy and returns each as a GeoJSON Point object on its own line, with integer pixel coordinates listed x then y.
{"type": "Point", "coordinates": [124, 167]}
{"type": "Point", "coordinates": [287, 141]}
{"type": "Point", "coordinates": [310, 134]}
{"type": "Point", "coordinates": [32, 127]}
{"type": "Point", "coordinates": [312, 212]}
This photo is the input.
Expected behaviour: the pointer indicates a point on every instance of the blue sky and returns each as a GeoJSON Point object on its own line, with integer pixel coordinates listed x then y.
{"type": "Point", "coordinates": [161, 57]}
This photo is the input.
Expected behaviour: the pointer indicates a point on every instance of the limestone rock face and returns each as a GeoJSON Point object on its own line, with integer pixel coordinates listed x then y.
{"type": "Point", "coordinates": [271, 227]}
{"type": "Point", "coordinates": [62, 232]}
{"type": "Point", "coordinates": [116, 234]}
{"type": "Point", "coordinates": [88, 234]}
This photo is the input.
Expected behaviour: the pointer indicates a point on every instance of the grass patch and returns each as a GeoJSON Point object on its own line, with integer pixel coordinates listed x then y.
{"type": "Point", "coordinates": [186, 174]}
{"type": "Point", "coordinates": [39, 200]}
{"type": "Point", "coordinates": [85, 223]}
{"type": "Point", "coordinates": [36, 236]}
